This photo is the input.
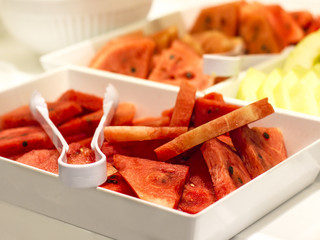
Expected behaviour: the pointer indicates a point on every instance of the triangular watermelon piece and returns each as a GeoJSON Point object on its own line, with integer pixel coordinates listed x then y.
{"type": "Point", "coordinates": [225, 166]}
{"type": "Point", "coordinates": [179, 63]}
{"type": "Point", "coordinates": [223, 17]}
{"type": "Point", "coordinates": [257, 31]}
{"type": "Point", "coordinates": [259, 148]}
{"type": "Point", "coordinates": [130, 56]}
{"type": "Point", "coordinates": [158, 182]}
{"type": "Point", "coordinates": [198, 192]}
{"type": "Point", "coordinates": [284, 25]}
{"type": "Point", "coordinates": [15, 141]}
{"type": "Point", "coordinates": [207, 109]}
{"type": "Point", "coordinates": [117, 183]}
{"type": "Point", "coordinates": [45, 159]}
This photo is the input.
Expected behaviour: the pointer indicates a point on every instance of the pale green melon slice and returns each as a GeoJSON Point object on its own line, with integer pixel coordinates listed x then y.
{"type": "Point", "coordinates": [249, 85]}
{"type": "Point", "coordinates": [268, 84]}
{"type": "Point", "coordinates": [303, 94]}
{"type": "Point", "coordinates": [306, 53]}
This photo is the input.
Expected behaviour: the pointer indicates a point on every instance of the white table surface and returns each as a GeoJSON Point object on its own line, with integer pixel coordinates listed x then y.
{"type": "Point", "coordinates": [296, 219]}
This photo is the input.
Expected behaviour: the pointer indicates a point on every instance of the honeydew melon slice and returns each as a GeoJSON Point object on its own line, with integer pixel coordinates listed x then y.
{"type": "Point", "coordinates": [249, 85]}
{"type": "Point", "coordinates": [306, 53]}
{"type": "Point", "coordinates": [281, 92]}
{"type": "Point", "coordinates": [303, 94]}
{"type": "Point", "coordinates": [268, 84]}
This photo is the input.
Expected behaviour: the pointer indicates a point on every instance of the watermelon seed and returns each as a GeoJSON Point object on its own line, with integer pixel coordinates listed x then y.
{"type": "Point", "coordinates": [230, 169]}
{"type": "Point", "coordinates": [24, 143]}
{"type": "Point", "coordinates": [208, 20]}
{"type": "Point", "coordinates": [133, 70]}
{"type": "Point", "coordinates": [223, 21]}
{"type": "Point", "coordinates": [266, 135]}
{"type": "Point", "coordinates": [240, 180]}
{"type": "Point", "coordinates": [171, 56]}
{"type": "Point", "coordinates": [265, 48]}
{"type": "Point", "coordinates": [189, 75]}
{"type": "Point", "coordinates": [112, 181]}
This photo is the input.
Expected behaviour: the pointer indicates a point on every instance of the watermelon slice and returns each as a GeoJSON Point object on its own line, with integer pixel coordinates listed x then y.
{"type": "Point", "coordinates": [152, 121]}
{"type": "Point", "coordinates": [256, 30]}
{"type": "Point", "coordinates": [85, 124]}
{"type": "Point", "coordinates": [14, 141]}
{"type": "Point", "coordinates": [284, 25]}
{"type": "Point", "coordinates": [208, 108]}
{"type": "Point", "coordinates": [314, 26]}
{"type": "Point", "coordinates": [225, 166]}
{"type": "Point", "coordinates": [183, 108]}
{"type": "Point", "coordinates": [130, 56]}
{"type": "Point", "coordinates": [259, 148]}
{"type": "Point", "coordinates": [223, 17]}
{"type": "Point", "coordinates": [178, 63]}
{"type": "Point", "coordinates": [303, 18]}
{"type": "Point", "coordinates": [87, 101]}
{"type": "Point", "coordinates": [141, 149]}
{"type": "Point", "coordinates": [61, 112]}
{"type": "Point", "coordinates": [157, 182]}
{"type": "Point", "coordinates": [118, 184]}
{"type": "Point", "coordinates": [18, 117]}
{"type": "Point", "coordinates": [124, 114]}
{"type": "Point", "coordinates": [45, 159]}
{"type": "Point", "coordinates": [198, 192]}
{"type": "Point", "coordinates": [78, 154]}
{"type": "Point", "coordinates": [21, 116]}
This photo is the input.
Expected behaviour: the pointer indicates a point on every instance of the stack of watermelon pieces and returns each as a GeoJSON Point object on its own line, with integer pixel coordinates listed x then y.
{"type": "Point", "coordinates": [238, 27]}
{"type": "Point", "coordinates": [192, 155]}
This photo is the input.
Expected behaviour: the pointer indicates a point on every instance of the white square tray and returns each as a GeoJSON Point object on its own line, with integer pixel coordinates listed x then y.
{"type": "Point", "coordinates": [122, 217]}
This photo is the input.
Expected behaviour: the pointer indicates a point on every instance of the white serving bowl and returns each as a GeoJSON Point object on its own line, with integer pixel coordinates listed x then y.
{"type": "Point", "coordinates": [119, 216]}
{"type": "Point", "coordinates": [46, 25]}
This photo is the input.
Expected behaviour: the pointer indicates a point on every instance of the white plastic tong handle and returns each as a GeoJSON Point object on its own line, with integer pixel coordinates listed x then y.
{"type": "Point", "coordinates": [78, 176]}
{"type": "Point", "coordinates": [227, 66]}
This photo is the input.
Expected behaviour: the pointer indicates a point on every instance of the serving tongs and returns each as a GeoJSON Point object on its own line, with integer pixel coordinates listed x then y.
{"type": "Point", "coordinates": [231, 64]}
{"type": "Point", "coordinates": [78, 176]}
{"type": "Point", "coordinates": [227, 66]}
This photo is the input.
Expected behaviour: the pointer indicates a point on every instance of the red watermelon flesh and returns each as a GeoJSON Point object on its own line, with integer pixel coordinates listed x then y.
{"type": "Point", "coordinates": [21, 116]}
{"type": "Point", "coordinates": [124, 114]}
{"type": "Point", "coordinates": [118, 184]}
{"type": "Point", "coordinates": [87, 101]}
{"type": "Point", "coordinates": [85, 124]}
{"type": "Point", "coordinates": [141, 149]}
{"type": "Point", "coordinates": [183, 108]}
{"type": "Point", "coordinates": [284, 25]}
{"type": "Point", "coordinates": [223, 17]}
{"type": "Point", "coordinates": [257, 31]}
{"type": "Point", "coordinates": [158, 182]}
{"type": "Point", "coordinates": [259, 148]}
{"type": "Point", "coordinates": [207, 109]}
{"type": "Point", "coordinates": [179, 63]}
{"type": "Point", "coordinates": [302, 17]}
{"type": "Point", "coordinates": [130, 56]}
{"type": "Point", "coordinates": [225, 166]}
{"type": "Point", "coordinates": [18, 117]}
{"type": "Point", "coordinates": [198, 192]}
{"type": "Point", "coordinates": [78, 154]}
{"type": "Point", "coordinates": [15, 141]}
{"type": "Point", "coordinates": [45, 159]}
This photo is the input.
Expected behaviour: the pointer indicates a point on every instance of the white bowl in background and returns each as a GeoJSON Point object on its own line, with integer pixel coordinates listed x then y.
{"type": "Point", "coordinates": [47, 25]}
